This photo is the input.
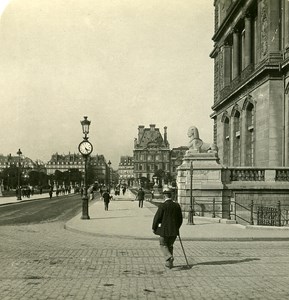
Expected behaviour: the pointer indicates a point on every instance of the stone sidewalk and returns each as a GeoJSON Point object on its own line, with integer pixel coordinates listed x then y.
{"type": "Point", "coordinates": [125, 219]}
{"type": "Point", "coordinates": [13, 199]}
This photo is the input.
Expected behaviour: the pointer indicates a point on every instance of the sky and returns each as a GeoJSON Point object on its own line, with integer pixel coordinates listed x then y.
{"type": "Point", "coordinates": [122, 63]}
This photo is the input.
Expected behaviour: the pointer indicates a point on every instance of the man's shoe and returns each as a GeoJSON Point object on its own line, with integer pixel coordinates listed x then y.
{"type": "Point", "coordinates": [169, 263]}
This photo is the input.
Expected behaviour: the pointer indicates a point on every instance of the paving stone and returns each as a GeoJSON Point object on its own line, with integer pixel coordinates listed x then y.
{"type": "Point", "coordinates": [46, 261]}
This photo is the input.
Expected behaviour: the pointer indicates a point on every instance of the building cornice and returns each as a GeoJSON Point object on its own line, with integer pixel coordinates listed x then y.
{"type": "Point", "coordinates": [257, 77]}
{"type": "Point", "coordinates": [234, 8]}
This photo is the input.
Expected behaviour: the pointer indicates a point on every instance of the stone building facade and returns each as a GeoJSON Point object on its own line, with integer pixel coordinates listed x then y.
{"type": "Point", "coordinates": [9, 160]}
{"type": "Point", "coordinates": [251, 82]}
{"type": "Point", "coordinates": [176, 159]}
{"type": "Point", "coordinates": [66, 162]}
{"type": "Point", "coordinates": [151, 152]}
{"type": "Point", "coordinates": [126, 170]}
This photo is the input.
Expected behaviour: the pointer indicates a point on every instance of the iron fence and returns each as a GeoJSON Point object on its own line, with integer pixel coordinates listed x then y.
{"type": "Point", "coordinates": [258, 214]}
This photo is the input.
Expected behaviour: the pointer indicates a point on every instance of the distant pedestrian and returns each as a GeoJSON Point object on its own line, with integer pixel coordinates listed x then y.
{"type": "Point", "coordinates": [106, 199]}
{"type": "Point", "coordinates": [123, 190]}
{"type": "Point", "coordinates": [166, 223]}
{"type": "Point", "coordinates": [140, 196]}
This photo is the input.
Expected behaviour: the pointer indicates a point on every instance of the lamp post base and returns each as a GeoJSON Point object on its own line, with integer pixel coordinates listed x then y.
{"type": "Point", "coordinates": [85, 215]}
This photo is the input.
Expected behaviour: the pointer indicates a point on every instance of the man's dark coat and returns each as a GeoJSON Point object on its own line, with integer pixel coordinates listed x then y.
{"type": "Point", "coordinates": [169, 215]}
{"type": "Point", "coordinates": [106, 197]}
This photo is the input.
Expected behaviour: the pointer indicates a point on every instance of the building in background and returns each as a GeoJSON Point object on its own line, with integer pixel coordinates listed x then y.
{"type": "Point", "coordinates": [151, 154]}
{"type": "Point", "coordinates": [126, 170]}
{"type": "Point", "coordinates": [9, 160]}
{"type": "Point", "coordinates": [251, 82]}
{"type": "Point", "coordinates": [97, 165]}
{"type": "Point", "coordinates": [28, 172]}
{"type": "Point", "coordinates": [176, 159]}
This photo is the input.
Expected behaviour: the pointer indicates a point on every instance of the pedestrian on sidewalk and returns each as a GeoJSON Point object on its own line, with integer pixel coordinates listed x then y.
{"type": "Point", "coordinates": [166, 223]}
{"type": "Point", "coordinates": [123, 190]}
{"type": "Point", "coordinates": [140, 196]}
{"type": "Point", "coordinates": [106, 199]}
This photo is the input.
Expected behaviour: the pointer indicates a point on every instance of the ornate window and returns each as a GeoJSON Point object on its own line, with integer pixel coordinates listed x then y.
{"type": "Point", "coordinates": [226, 141]}
{"type": "Point", "coordinates": [236, 139]}
{"type": "Point", "coordinates": [250, 135]}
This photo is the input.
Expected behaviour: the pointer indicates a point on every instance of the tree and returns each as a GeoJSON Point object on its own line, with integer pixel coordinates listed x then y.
{"type": "Point", "coordinates": [58, 176]}
{"type": "Point", "coordinates": [10, 177]}
{"type": "Point", "coordinates": [75, 176]}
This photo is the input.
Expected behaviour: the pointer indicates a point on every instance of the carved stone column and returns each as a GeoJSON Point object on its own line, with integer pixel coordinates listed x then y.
{"type": "Point", "coordinates": [274, 24]}
{"type": "Point", "coordinates": [227, 64]}
{"type": "Point", "coordinates": [248, 40]}
{"type": "Point", "coordinates": [236, 53]}
{"type": "Point", "coordinates": [286, 24]}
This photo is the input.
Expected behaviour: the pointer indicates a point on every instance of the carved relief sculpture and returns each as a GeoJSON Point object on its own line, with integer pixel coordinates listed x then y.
{"type": "Point", "coordinates": [264, 27]}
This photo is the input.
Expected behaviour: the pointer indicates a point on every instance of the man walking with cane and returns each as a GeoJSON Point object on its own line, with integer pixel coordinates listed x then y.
{"type": "Point", "coordinates": [166, 223]}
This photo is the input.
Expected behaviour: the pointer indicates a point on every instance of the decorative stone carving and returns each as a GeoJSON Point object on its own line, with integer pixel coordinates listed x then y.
{"type": "Point", "coordinates": [264, 27]}
{"type": "Point", "coordinates": [196, 144]}
{"type": "Point", "coordinates": [221, 68]}
{"type": "Point", "coordinates": [216, 80]}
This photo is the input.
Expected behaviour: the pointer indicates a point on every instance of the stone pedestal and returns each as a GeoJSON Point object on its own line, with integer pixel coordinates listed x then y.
{"type": "Point", "coordinates": [202, 173]}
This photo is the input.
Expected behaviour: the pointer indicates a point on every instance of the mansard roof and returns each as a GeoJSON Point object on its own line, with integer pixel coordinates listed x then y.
{"type": "Point", "coordinates": [151, 138]}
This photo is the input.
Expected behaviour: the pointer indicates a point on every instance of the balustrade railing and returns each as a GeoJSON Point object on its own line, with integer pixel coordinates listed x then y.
{"type": "Point", "coordinates": [282, 175]}
{"type": "Point", "coordinates": [238, 81]}
{"type": "Point", "coordinates": [247, 175]}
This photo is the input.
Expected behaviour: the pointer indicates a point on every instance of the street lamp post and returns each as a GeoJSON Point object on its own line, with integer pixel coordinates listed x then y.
{"type": "Point", "coordinates": [191, 212]}
{"type": "Point", "coordinates": [19, 153]}
{"type": "Point", "coordinates": [85, 148]}
{"type": "Point", "coordinates": [8, 171]}
{"type": "Point", "coordinates": [109, 164]}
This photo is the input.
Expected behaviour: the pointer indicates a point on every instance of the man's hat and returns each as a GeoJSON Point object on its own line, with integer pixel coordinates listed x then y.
{"type": "Point", "coordinates": [167, 190]}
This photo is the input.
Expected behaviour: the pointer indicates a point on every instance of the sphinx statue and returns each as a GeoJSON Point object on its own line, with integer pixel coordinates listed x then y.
{"type": "Point", "coordinates": [196, 144]}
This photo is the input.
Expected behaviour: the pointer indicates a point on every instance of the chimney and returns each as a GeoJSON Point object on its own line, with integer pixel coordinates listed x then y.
{"type": "Point", "coordinates": [152, 127]}
{"type": "Point", "coordinates": [140, 132]}
{"type": "Point", "coordinates": [165, 135]}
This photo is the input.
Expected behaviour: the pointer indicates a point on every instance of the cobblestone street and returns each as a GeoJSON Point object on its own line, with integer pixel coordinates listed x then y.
{"type": "Point", "coordinates": [48, 262]}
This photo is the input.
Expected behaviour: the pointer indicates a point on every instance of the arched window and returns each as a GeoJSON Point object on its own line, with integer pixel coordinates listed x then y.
{"type": "Point", "coordinates": [236, 139]}
{"type": "Point", "coordinates": [250, 135]}
{"type": "Point", "coordinates": [226, 142]}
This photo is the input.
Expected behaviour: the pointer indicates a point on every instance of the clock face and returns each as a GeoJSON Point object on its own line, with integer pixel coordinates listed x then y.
{"type": "Point", "coordinates": [85, 148]}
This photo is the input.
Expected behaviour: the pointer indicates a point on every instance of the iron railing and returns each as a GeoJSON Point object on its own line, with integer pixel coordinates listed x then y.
{"type": "Point", "coordinates": [256, 214]}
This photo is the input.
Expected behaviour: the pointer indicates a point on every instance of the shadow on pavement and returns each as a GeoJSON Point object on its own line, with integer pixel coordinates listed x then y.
{"type": "Point", "coordinates": [226, 262]}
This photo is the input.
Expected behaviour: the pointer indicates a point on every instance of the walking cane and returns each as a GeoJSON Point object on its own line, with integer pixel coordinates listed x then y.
{"type": "Point", "coordinates": [184, 252]}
